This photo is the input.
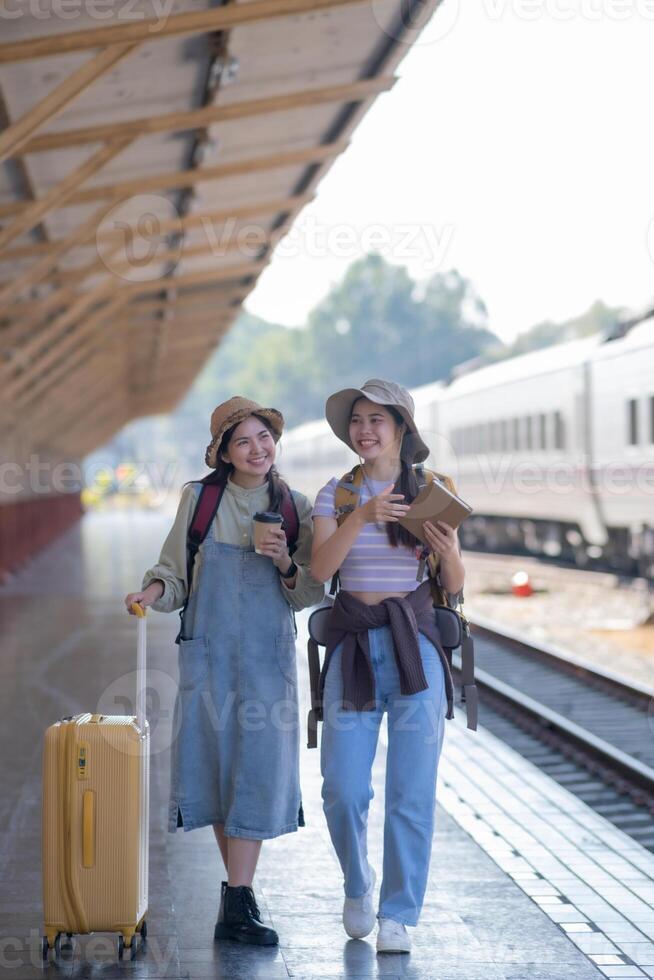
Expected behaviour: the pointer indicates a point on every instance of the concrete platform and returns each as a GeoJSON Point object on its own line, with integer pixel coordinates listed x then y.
{"type": "Point", "coordinates": [495, 878]}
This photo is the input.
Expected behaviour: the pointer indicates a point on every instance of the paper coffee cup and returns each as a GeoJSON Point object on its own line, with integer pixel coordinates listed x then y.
{"type": "Point", "coordinates": [261, 523]}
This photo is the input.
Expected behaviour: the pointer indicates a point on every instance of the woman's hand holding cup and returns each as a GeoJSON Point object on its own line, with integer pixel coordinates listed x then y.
{"type": "Point", "coordinates": [270, 539]}
{"type": "Point", "coordinates": [273, 545]}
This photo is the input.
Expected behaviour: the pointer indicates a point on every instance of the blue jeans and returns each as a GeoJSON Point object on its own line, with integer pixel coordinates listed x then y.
{"type": "Point", "coordinates": [349, 742]}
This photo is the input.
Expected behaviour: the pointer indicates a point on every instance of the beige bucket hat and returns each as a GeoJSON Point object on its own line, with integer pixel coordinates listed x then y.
{"type": "Point", "coordinates": [338, 410]}
{"type": "Point", "coordinates": [232, 412]}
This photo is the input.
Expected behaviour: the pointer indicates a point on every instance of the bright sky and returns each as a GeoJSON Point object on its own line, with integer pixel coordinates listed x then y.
{"type": "Point", "coordinates": [517, 146]}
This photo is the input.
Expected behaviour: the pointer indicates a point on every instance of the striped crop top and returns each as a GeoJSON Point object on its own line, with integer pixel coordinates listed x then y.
{"type": "Point", "coordinates": [372, 564]}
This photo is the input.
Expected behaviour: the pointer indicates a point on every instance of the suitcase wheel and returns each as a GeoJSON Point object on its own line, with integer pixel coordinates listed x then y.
{"type": "Point", "coordinates": [50, 941]}
{"type": "Point", "coordinates": [129, 943]}
{"type": "Point", "coordinates": [144, 930]}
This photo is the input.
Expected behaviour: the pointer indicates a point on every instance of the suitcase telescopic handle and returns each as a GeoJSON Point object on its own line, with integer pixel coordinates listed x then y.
{"type": "Point", "coordinates": [139, 612]}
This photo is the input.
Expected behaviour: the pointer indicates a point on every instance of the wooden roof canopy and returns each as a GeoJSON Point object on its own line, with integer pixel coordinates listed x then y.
{"type": "Point", "coordinates": [149, 165]}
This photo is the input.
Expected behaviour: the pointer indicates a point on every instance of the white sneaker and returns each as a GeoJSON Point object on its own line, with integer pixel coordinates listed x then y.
{"type": "Point", "coordinates": [358, 913]}
{"type": "Point", "coordinates": [393, 937]}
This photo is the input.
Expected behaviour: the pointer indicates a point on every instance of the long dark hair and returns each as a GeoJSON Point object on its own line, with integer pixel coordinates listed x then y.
{"type": "Point", "coordinates": [223, 470]}
{"type": "Point", "coordinates": [407, 484]}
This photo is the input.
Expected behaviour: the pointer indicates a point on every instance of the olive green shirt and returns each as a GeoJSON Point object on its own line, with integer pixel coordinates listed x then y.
{"type": "Point", "coordinates": [231, 525]}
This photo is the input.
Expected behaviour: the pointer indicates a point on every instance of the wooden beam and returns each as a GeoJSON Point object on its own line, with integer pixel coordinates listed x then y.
{"type": "Point", "coordinates": [208, 115]}
{"type": "Point", "coordinates": [19, 132]}
{"type": "Point", "coordinates": [188, 178]}
{"type": "Point", "coordinates": [34, 312]}
{"type": "Point", "coordinates": [56, 338]}
{"type": "Point", "coordinates": [31, 214]}
{"type": "Point", "coordinates": [93, 368]}
{"type": "Point", "coordinates": [180, 346]}
{"type": "Point", "coordinates": [26, 252]}
{"type": "Point", "coordinates": [9, 290]}
{"type": "Point", "coordinates": [200, 277]}
{"type": "Point", "coordinates": [40, 269]}
{"type": "Point", "coordinates": [57, 352]}
{"type": "Point", "coordinates": [24, 173]}
{"type": "Point", "coordinates": [36, 308]}
{"type": "Point", "coordinates": [194, 220]}
{"type": "Point", "coordinates": [155, 29]}
{"type": "Point", "coordinates": [46, 339]}
{"type": "Point", "coordinates": [120, 265]}
{"type": "Point", "coordinates": [208, 300]}
{"type": "Point", "coordinates": [17, 335]}
{"type": "Point", "coordinates": [180, 322]}
{"type": "Point", "coordinates": [41, 391]}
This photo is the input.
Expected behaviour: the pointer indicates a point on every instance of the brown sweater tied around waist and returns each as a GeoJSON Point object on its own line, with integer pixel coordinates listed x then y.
{"type": "Point", "coordinates": [349, 621]}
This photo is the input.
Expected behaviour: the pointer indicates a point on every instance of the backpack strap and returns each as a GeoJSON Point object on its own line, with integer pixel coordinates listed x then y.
{"type": "Point", "coordinates": [315, 712]}
{"type": "Point", "coordinates": [291, 523]}
{"type": "Point", "coordinates": [206, 508]}
{"type": "Point", "coordinates": [469, 694]}
{"type": "Point", "coordinates": [346, 499]}
{"type": "Point", "coordinates": [348, 492]}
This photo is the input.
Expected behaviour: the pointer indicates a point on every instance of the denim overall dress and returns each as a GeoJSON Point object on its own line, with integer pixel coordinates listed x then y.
{"type": "Point", "coordinates": [235, 752]}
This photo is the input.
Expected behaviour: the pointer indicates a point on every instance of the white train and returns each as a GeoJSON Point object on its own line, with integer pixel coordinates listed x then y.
{"type": "Point", "coordinates": [554, 450]}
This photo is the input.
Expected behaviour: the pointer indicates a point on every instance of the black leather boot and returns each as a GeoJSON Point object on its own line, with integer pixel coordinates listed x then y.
{"type": "Point", "coordinates": [221, 910]}
{"type": "Point", "coordinates": [242, 919]}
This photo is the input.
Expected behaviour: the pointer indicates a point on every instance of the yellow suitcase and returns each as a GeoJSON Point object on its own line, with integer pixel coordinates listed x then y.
{"type": "Point", "coordinates": [95, 822]}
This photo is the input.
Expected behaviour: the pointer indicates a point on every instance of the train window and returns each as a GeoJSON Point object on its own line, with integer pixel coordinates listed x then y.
{"type": "Point", "coordinates": [529, 433]}
{"type": "Point", "coordinates": [559, 431]}
{"type": "Point", "coordinates": [632, 408]}
{"type": "Point", "coordinates": [516, 434]}
{"type": "Point", "coordinates": [542, 418]}
{"type": "Point", "coordinates": [504, 435]}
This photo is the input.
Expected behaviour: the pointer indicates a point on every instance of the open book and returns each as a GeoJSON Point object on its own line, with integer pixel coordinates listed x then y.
{"type": "Point", "coordinates": [435, 503]}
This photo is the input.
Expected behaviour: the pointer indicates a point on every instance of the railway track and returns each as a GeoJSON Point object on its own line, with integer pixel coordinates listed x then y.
{"type": "Point", "coordinates": [589, 729]}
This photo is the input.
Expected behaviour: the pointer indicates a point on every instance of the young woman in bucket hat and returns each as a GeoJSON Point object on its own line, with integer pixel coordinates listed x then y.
{"type": "Point", "coordinates": [383, 654]}
{"type": "Point", "coordinates": [235, 758]}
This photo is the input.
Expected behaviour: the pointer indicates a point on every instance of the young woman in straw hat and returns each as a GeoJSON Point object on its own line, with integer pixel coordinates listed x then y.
{"type": "Point", "coordinates": [383, 654]}
{"type": "Point", "coordinates": [237, 769]}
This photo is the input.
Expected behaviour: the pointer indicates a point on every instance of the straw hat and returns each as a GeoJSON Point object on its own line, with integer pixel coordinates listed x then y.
{"type": "Point", "coordinates": [230, 413]}
{"type": "Point", "coordinates": [339, 409]}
